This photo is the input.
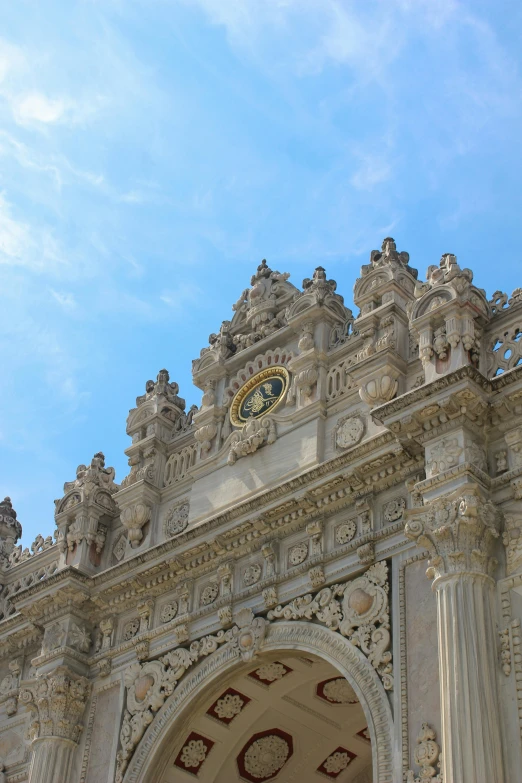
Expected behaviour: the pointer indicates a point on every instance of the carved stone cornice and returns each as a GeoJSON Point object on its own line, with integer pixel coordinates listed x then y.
{"type": "Point", "coordinates": [55, 595]}
{"type": "Point", "coordinates": [425, 416]}
{"type": "Point", "coordinates": [57, 701]}
{"type": "Point", "coordinates": [430, 390]}
{"type": "Point", "coordinates": [459, 531]}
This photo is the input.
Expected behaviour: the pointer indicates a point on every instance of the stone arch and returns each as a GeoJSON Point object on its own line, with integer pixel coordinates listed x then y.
{"type": "Point", "coordinates": [281, 636]}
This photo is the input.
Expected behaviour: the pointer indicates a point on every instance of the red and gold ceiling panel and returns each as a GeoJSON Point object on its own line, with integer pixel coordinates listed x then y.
{"type": "Point", "coordinates": [336, 762]}
{"type": "Point", "coordinates": [194, 753]}
{"type": "Point", "coordinates": [264, 755]}
{"type": "Point", "coordinates": [336, 690]}
{"type": "Point", "coordinates": [271, 672]}
{"type": "Point", "coordinates": [228, 706]}
{"type": "Point", "coordinates": [364, 734]}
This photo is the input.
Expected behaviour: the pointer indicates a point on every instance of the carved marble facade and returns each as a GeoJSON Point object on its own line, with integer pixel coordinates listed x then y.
{"type": "Point", "coordinates": [315, 573]}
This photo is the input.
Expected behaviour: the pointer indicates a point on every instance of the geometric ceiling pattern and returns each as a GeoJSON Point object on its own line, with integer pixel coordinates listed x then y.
{"type": "Point", "coordinates": [289, 720]}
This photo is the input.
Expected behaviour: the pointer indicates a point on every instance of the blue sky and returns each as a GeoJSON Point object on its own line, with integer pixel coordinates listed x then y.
{"type": "Point", "coordinates": [153, 152]}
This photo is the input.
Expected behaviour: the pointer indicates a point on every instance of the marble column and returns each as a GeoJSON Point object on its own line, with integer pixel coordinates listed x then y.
{"type": "Point", "coordinates": [57, 702]}
{"type": "Point", "coordinates": [52, 760]}
{"type": "Point", "coordinates": [459, 532]}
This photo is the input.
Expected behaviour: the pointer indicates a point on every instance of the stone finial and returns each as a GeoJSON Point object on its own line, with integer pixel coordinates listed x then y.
{"type": "Point", "coordinates": [388, 254]}
{"type": "Point", "coordinates": [258, 313]}
{"type": "Point", "coordinates": [94, 475]}
{"type": "Point", "coordinates": [162, 388]}
{"type": "Point", "coordinates": [10, 528]}
{"type": "Point", "coordinates": [319, 281]}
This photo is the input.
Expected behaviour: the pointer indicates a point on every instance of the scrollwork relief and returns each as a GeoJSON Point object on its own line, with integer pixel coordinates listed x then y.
{"type": "Point", "coordinates": [149, 684]}
{"type": "Point", "coordinates": [358, 609]}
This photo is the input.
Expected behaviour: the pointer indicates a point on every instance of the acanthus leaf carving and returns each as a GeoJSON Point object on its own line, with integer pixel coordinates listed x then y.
{"type": "Point", "coordinates": [254, 434]}
{"type": "Point", "coordinates": [57, 702]}
{"type": "Point", "coordinates": [459, 532]}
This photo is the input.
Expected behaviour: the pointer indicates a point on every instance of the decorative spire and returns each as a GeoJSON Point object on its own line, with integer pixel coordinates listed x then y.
{"type": "Point", "coordinates": [10, 530]}
{"type": "Point", "coordinates": [162, 388]}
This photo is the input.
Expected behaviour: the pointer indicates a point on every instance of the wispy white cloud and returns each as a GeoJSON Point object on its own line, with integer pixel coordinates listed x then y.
{"type": "Point", "coordinates": [65, 299]}
{"type": "Point", "coordinates": [15, 237]}
{"type": "Point", "coordinates": [184, 295]}
{"type": "Point", "coordinates": [373, 170]}
{"type": "Point", "coordinates": [38, 107]}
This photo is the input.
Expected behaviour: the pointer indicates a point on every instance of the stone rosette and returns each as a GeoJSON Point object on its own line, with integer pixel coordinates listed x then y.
{"type": "Point", "coordinates": [336, 690]}
{"type": "Point", "coordinates": [193, 753]}
{"type": "Point", "coordinates": [228, 706]}
{"type": "Point", "coordinates": [349, 432]}
{"type": "Point", "coordinates": [336, 762]}
{"type": "Point", "coordinates": [264, 755]}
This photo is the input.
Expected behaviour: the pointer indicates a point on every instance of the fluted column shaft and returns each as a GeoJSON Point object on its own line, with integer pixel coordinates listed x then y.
{"type": "Point", "coordinates": [460, 531]}
{"type": "Point", "coordinates": [52, 760]}
{"type": "Point", "coordinates": [471, 746]}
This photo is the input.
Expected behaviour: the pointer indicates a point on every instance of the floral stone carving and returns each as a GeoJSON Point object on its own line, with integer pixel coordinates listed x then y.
{"type": "Point", "coordinates": [458, 531]}
{"type": "Point", "coordinates": [176, 519]}
{"type": "Point", "coordinates": [270, 672]}
{"type": "Point", "coordinates": [134, 518]}
{"type": "Point", "coordinates": [345, 532]}
{"type": "Point", "coordinates": [149, 684]}
{"type": "Point", "coordinates": [349, 432]}
{"type": "Point", "coordinates": [358, 609]}
{"type": "Point", "coordinates": [254, 434]}
{"type": "Point", "coordinates": [266, 756]}
{"type": "Point", "coordinates": [337, 691]}
{"type": "Point", "coordinates": [229, 706]}
{"type": "Point", "coordinates": [252, 574]}
{"type": "Point", "coordinates": [298, 553]}
{"type": "Point", "coordinates": [209, 595]}
{"type": "Point", "coordinates": [169, 612]}
{"type": "Point", "coordinates": [336, 762]}
{"type": "Point", "coordinates": [193, 753]}
{"type": "Point", "coordinates": [426, 756]}
{"type": "Point", "coordinates": [394, 509]}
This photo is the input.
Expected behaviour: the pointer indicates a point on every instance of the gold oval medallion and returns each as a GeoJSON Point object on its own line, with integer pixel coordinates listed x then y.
{"type": "Point", "coordinates": [260, 395]}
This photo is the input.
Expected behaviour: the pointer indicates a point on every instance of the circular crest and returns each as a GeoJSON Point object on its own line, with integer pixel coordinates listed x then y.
{"type": "Point", "coordinates": [260, 395]}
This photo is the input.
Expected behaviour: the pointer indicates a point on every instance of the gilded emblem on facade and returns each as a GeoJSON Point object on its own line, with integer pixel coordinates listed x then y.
{"type": "Point", "coordinates": [260, 395]}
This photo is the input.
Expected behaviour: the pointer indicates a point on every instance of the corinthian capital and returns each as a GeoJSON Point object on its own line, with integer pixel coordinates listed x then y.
{"type": "Point", "coordinates": [459, 532]}
{"type": "Point", "coordinates": [57, 702]}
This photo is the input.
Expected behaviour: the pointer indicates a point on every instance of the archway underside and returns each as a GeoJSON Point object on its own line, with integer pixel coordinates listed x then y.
{"type": "Point", "coordinates": [287, 717]}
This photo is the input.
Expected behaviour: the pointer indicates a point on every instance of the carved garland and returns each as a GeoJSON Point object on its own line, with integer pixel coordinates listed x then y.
{"type": "Point", "coordinates": [357, 609]}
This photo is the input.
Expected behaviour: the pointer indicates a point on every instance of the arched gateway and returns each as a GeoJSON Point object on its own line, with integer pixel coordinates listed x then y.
{"type": "Point", "coordinates": [284, 642]}
{"type": "Point", "coordinates": [250, 603]}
